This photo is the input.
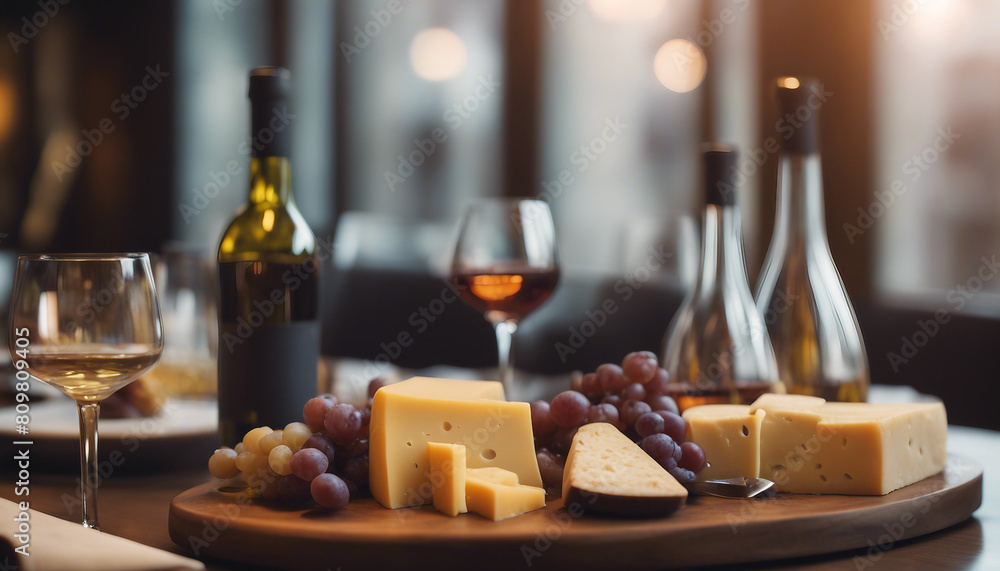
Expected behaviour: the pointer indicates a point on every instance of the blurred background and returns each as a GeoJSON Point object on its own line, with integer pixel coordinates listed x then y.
{"type": "Point", "coordinates": [124, 126]}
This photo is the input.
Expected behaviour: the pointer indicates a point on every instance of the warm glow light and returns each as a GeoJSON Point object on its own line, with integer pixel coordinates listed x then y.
{"type": "Point", "coordinates": [680, 65]}
{"type": "Point", "coordinates": [788, 82]}
{"type": "Point", "coordinates": [437, 54]}
{"type": "Point", "coordinates": [8, 108]}
{"type": "Point", "coordinates": [268, 221]}
{"type": "Point", "coordinates": [626, 10]}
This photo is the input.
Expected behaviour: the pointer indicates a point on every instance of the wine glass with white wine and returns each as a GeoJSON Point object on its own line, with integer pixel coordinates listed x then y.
{"type": "Point", "coordinates": [87, 324]}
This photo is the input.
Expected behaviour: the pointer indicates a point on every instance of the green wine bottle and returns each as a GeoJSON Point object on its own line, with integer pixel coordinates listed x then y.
{"type": "Point", "coordinates": [269, 282]}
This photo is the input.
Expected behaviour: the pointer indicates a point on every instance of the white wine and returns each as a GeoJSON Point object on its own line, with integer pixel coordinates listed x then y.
{"type": "Point", "coordinates": [809, 316]}
{"type": "Point", "coordinates": [91, 372]}
{"type": "Point", "coordinates": [269, 283]}
{"type": "Point", "coordinates": [717, 349]}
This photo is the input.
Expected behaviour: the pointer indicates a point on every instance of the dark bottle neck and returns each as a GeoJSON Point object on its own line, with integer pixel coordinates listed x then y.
{"type": "Point", "coordinates": [269, 120]}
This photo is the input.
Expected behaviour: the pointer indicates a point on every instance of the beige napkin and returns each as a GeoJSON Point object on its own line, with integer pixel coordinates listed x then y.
{"type": "Point", "coordinates": [59, 544]}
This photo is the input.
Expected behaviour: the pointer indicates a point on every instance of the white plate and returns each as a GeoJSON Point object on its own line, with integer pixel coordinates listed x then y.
{"type": "Point", "coordinates": [57, 418]}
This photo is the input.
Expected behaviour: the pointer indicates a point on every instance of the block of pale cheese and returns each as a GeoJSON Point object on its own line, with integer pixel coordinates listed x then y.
{"type": "Point", "coordinates": [849, 448]}
{"type": "Point", "coordinates": [409, 414]}
{"type": "Point", "coordinates": [808, 445]}
{"type": "Point", "coordinates": [730, 436]}
{"type": "Point", "coordinates": [607, 473]}
{"type": "Point", "coordinates": [492, 499]}
{"type": "Point", "coordinates": [447, 462]}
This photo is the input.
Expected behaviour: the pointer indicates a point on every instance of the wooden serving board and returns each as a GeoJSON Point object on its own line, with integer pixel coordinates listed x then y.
{"type": "Point", "coordinates": [215, 521]}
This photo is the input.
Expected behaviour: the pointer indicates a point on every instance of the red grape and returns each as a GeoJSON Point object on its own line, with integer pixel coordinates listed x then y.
{"type": "Point", "coordinates": [603, 413]}
{"type": "Point", "coordinates": [640, 367]}
{"type": "Point", "coordinates": [633, 391]}
{"type": "Point", "coordinates": [550, 467]}
{"type": "Point", "coordinates": [662, 402]}
{"type": "Point", "coordinates": [569, 409]}
{"type": "Point", "coordinates": [611, 378]}
{"type": "Point", "coordinates": [374, 385]}
{"type": "Point", "coordinates": [682, 474]}
{"type": "Point", "coordinates": [661, 448]}
{"type": "Point", "coordinates": [269, 487]}
{"type": "Point", "coordinates": [308, 463]}
{"type": "Point", "coordinates": [356, 447]}
{"type": "Point", "coordinates": [292, 489]}
{"type": "Point", "coordinates": [563, 439]}
{"type": "Point", "coordinates": [648, 424]}
{"type": "Point", "coordinates": [342, 423]}
{"type": "Point", "coordinates": [632, 409]}
{"type": "Point", "coordinates": [330, 491]}
{"type": "Point", "coordinates": [660, 384]}
{"type": "Point", "coordinates": [692, 457]}
{"type": "Point", "coordinates": [314, 412]}
{"type": "Point", "coordinates": [673, 426]}
{"type": "Point", "coordinates": [613, 400]}
{"type": "Point", "coordinates": [541, 419]}
{"type": "Point", "coordinates": [356, 470]}
{"type": "Point", "coordinates": [322, 443]}
{"type": "Point", "coordinates": [590, 386]}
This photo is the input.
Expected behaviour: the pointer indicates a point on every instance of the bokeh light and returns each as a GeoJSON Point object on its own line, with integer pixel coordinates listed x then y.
{"type": "Point", "coordinates": [437, 54]}
{"type": "Point", "coordinates": [680, 65]}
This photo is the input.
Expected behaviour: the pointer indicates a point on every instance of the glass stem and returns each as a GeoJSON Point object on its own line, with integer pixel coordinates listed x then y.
{"type": "Point", "coordinates": [505, 338]}
{"type": "Point", "coordinates": [89, 412]}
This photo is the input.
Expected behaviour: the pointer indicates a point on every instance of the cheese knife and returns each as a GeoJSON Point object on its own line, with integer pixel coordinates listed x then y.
{"type": "Point", "coordinates": [733, 488]}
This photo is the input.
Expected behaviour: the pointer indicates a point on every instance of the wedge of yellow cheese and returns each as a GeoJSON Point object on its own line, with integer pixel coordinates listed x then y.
{"type": "Point", "coordinates": [490, 495]}
{"type": "Point", "coordinates": [808, 445]}
{"type": "Point", "coordinates": [732, 433]}
{"type": "Point", "coordinates": [607, 473]}
{"type": "Point", "coordinates": [447, 462]}
{"type": "Point", "coordinates": [409, 414]}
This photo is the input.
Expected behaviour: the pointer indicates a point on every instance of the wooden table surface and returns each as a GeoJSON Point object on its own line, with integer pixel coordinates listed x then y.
{"type": "Point", "coordinates": [136, 507]}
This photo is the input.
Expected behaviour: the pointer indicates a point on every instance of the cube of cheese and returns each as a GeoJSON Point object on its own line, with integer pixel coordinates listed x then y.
{"type": "Point", "coordinates": [495, 475]}
{"type": "Point", "coordinates": [730, 436]}
{"type": "Point", "coordinates": [495, 500]}
{"type": "Point", "coordinates": [447, 463]}
{"type": "Point", "coordinates": [409, 414]}
{"type": "Point", "coordinates": [849, 448]}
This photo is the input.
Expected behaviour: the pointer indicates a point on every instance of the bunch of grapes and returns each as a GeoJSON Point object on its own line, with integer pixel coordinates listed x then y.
{"type": "Point", "coordinates": [633, 398]}
{"type": "Point", "coordinates": [324, 458]}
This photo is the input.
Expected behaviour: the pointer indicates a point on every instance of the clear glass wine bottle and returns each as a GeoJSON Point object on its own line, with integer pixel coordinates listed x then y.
{"type": "Point", "coordinates": [814, 332]}
{"type": "Point", "coordinates": [717, 349]}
